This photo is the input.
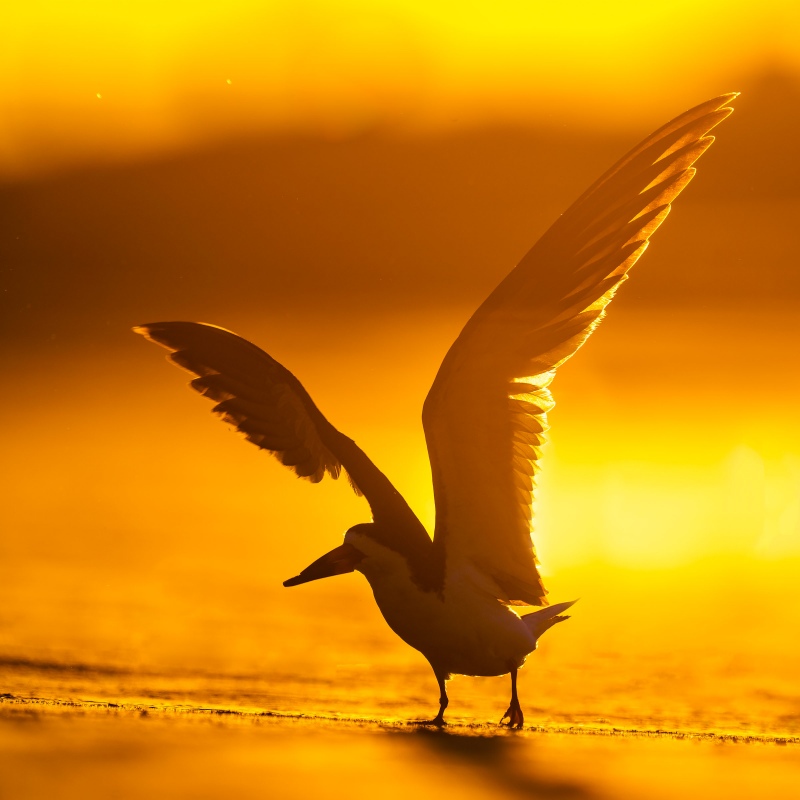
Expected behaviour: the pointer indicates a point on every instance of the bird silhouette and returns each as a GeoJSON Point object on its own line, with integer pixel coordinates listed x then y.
{"type": "Point", "coordinates": [485, 419]}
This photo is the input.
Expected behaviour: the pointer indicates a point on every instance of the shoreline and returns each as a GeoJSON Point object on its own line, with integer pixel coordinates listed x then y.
{"type": "Point", "coordinates": [9, 702]}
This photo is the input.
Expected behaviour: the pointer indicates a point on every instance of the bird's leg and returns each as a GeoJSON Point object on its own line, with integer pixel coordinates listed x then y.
{"type": "Point", "coordinates": [438, 720]}
{"type": "Point", "coordinates": [443, 701]}
{"type": "Point", "coordinates": [514, 714]}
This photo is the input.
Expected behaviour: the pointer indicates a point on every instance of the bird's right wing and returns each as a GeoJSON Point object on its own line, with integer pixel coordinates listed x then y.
{"type": "Point", "coordinates": [266, 403]}
{"type": "Point", "coordinates": [486, 413]}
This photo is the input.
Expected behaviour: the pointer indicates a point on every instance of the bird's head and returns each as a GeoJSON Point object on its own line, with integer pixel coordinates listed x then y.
{"type": "Point", "coordinates": [361, 551]}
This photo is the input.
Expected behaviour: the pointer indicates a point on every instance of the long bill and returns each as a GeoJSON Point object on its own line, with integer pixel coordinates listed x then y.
{"type": "Point", "coordinates": [340, 560]}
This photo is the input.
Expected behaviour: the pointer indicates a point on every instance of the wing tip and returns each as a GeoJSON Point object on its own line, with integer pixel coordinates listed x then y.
{"type": "Point", "coordinates": [151, 331]}
{"type": "Point", "coordinates": [717, 104]}
{"type": "Point", "coordinates": [727, 97]}
{"type": "Point", "coordinates": [723, 110]}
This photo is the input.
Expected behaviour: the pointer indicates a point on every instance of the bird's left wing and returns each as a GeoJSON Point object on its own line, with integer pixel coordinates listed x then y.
{"type": "Point", "coordinates": [265, 402]}
{"type": "Point", "coordinates": [485, 415]}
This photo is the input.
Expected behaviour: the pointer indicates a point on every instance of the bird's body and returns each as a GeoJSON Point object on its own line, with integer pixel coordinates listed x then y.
{"type": "Point", "coordinates": [463, 630]}
{"type": "Point", "coordinates": [485, 420]}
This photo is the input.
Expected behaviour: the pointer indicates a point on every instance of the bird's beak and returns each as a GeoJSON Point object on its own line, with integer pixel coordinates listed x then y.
{"type": "Point", "coordinates": [340, 560]}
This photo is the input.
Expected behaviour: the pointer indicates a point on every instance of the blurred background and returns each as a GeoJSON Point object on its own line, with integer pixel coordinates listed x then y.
{"type": "Point", "coordinates": [343, 183]}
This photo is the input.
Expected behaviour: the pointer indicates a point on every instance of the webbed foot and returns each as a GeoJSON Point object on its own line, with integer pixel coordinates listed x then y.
{"type": "Point", "coordinates": [514, 716]}
{"type": "Point", "coordinates": [436, 722]}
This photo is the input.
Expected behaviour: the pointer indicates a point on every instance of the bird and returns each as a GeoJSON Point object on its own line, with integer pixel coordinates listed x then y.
{"type": "Point", "coordinates": [454, 596]}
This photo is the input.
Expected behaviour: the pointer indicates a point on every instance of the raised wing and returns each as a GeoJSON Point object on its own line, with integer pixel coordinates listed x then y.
{"type": "Point", "coordinates": [485, 415]}
{"type": "Point", "coordinates": [264, 401]}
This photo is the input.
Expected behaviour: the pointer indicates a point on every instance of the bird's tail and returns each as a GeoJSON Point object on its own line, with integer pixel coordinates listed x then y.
{"type": "Point", "coordinates": [540, 621]}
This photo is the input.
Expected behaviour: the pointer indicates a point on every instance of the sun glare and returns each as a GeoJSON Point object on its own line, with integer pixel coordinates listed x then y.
{"type": "Point", "coordinates": [342, 183]}
{"type": "Point", "coordinates": [184, 73]}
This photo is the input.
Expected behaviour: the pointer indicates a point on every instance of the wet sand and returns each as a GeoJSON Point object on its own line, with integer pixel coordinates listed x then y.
{"type": "Point", "coordinates": [148, 650]}
{"type": "Point", "coordinates": [133, 750]}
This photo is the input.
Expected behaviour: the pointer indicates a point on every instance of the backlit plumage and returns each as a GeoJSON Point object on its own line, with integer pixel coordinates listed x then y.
{"type": "Point", "coordinates": [485, 421]}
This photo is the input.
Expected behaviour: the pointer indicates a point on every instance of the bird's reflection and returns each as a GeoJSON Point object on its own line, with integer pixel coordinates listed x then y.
{"type": "Point", "coordinates": [502, 761]}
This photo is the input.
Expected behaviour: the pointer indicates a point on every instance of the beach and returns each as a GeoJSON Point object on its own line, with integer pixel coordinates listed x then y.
{"type": "Point", "coordinates": [148, 649]}
{"type": "Point", "coordinates": [133, 750]}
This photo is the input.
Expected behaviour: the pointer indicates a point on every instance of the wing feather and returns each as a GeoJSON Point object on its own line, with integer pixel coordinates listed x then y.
{"type": "Point", "coordinates": [485, 417]}
{"type": "Point", "coordinates": [266, 403]}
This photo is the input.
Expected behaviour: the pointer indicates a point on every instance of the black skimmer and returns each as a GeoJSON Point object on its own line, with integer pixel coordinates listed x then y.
{"type": "Point", "coordinates": [451, 597]}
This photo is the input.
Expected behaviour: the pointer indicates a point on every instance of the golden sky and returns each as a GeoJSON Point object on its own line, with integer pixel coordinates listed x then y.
{"type": "Point", "coordinates": [342, 184]}
{"type": "Point", "coordinates": [253, 241]}
{"type": "Point", "coordinates": [92, 80]}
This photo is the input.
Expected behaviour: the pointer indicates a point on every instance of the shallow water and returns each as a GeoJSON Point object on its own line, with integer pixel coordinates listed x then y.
{"type": "Point", "coordinates": [131, 751]}
{"type": "Point", "coordinates": [144, 546]}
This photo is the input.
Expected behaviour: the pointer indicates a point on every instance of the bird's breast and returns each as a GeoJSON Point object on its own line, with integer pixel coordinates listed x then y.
{"type": "Point", "coordinates": [460, 630]}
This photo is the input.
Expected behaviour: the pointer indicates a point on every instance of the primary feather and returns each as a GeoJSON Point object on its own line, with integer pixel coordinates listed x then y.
{"type": "Point", "coordinates": [485, 417]}
{"type": "Point", "coordinates": [265, 402]}
{"type": "Point", "coordinates": [253, 392]}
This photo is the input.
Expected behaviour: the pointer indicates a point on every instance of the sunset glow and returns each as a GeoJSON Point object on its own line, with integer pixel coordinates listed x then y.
{"type": "Point", "coordinates": [343, 184]}
{"type": "Point", "coordinates": [180, 74]}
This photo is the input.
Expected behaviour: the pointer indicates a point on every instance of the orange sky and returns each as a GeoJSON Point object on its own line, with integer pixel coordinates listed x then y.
{"type": "Point", "coordinates": [96, 82]}
{"type": "Point", "coordinates": [91, 80]}
{"type": "Point", "coordinates": [343, 184]}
